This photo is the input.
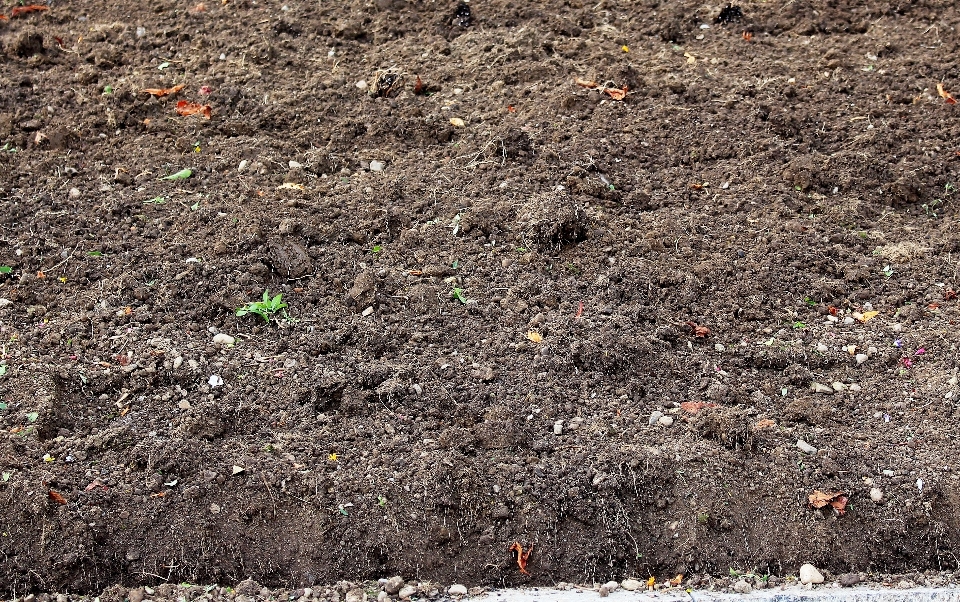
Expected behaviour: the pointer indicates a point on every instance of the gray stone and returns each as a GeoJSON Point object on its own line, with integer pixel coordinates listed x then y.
{"type": "Point", "coordinates": [631, 585]}
{"type": "Point", "coordinates": [457, 590]}
{"type": "Point", "coordinates": [742, 587]}
{"type": "Point", "coordinates": [655, 416]}
{"type": "Point", "coordinates": [406, 591]}
{"type": "Point", "coordinates": [849, 579]}
{"type": "Point", "coordinates": [806, 447]}
{"type": "Point", "coordinates": [393, 585]}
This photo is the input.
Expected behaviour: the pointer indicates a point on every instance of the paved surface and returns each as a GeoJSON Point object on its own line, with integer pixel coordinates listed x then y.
{"type": "Point", "coordinates": [790, 594]}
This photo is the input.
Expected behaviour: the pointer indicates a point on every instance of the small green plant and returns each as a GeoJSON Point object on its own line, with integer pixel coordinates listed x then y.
{"type": "Point", "coordinates": [157, 200]}
{"type": "Point", "coordinates": [377, 248]}
{"type": "Point", "coordinates": [457, 294]}
{"type": "Point", "coordinates": [381, 501]}
{"type": "Point", "coordinates": [5, 269]}
{"type": "Point", "coordinates": [94, 254]}
{"type": "Point", "coordinates": [3, 372]}
{"type": "Point", "coordinates": [798, 325]}
{"type": "Point", "coordinates": [703, 518]}
{"type": "Point", "coordinates": [809, 301]}
{"type": "Point", "coordinates": [107, 90]}
{"type": "Point", "coordinates": [887, 271]}
{"type": "Point", "coordinates": [265, 308]}
{"type": "Point", "coordinates": [32, 416]}
{"type": "Point", "coordinates": [521, 249]}
{"type": "Point", "coordinates": [183, 174]}
{"type": "Point", "coordinates": [9, 149]}
{"type": "Point", "coordinates": [932, 208]}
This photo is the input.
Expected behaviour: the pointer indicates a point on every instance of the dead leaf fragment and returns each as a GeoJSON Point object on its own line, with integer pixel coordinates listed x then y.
{"type": "Point", "coordinates": [161, 92]}
{"type": "Point", "coordinates": [22, 10]}
{"type": "Point", "coordinates": [290, 186]}
{"type": "Point", "coordinates": [764, 424]}
{"type": "Point", "coordinates": [836, 499]}
{"type": "Point", "coordinates": [522, 556]}
{"type": "Point", "coordinates": [616, 93]}
{"type": "Point", "coordinates": [536, 337]}
{"type": "Point", "coordinates": [676, 580]}
{"type": "Point", "coordinates": [869, 315]}
{"type": "Point", "coordinates": [56, 497]}
{"type": "Point", "coordinates": [692, 407]}
{"type": "Point", "coordinates": [186, 108]}
{"type": "Point", "coordinates": [586, 83]}
{"type": "Point", "coordinates": [457, 122]}
{"type": "Point", "coordinates": [944, 94]}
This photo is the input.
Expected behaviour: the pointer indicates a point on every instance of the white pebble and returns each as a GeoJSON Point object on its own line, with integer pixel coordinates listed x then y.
{"type": "Point", "coordinates": [806, 447]}
{"type": "Point", "coordinates": [654, 417]}
{"type": "Point", "coordinates": [822, 348]}
{"type": "Point", "coordinates": [862, 357]}
{"type": "Point", "coordinates": [367, 311]}
{"type": "Point", "coordinates": [719, 347]}
{"type": "Point", "coordinates": [809, 574]}
{"type": "Point", "coordinates": [457, 590]}
{"type": "Point", "coordinates": [295, 164]}
{"type": "Point", "coordinates": [243, 165]}
{"type": "Point", "coordinates": [848, 320]}
{"type": "Point", "coordinates": [376, 165]}
{"type": "Point", "coordinates": [855, 387]}
{"type": "Point", "coordinates": [666, 421]}
{"type": "Point", "coordinates": [224, 339]}
{"type": "Point", "coordinates": [362, 84]}
{"type": "Point", "coordinates": [215, 380]}
{"type": "Point", "coordinates": [558, 427]}
{"type": "Point", "coordinates": [177, 362]}
{"type": "Point", "coordinates": [74, 193]}
{"type": "Point", "coordinates": [876, 495]}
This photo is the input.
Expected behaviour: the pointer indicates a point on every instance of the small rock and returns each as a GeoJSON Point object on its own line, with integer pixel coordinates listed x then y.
{"type": "Point", "coordinates": [135, 595]}
{"type": "Point", "coordinates": [855, 387]}
{"type": "Point", "coordinates": [838, 386]}
{"type": "Point", "coordinates": [224, 339]}
{"type": "Point", "coordinates": [215, 380]}
{"type": "Point", "coordinates": [655, 417]}
{"type": "Point", "coordinates": [383, 597]}
{"type": "Point", "coordinates": [558, 427]}
{"type": "Point", "coordinates": [409, 590]}
{"type": "Point", "coordinates": [612, 586]}
{"type": "Point", "coordinates": [848, 320]}
{"type": "Point", "coordinates": [604, 591]}
{"type": "Point", "coordinates": [457, 590]}
{"type": "Point", "coordinates": [631, 585]}
{"type": "Point", "coordinates": [821, 388]}
{"type": "Point", "coordinates": [362, 84]}
{"type": "Point", "coordinates": [665, 421]}
{"type": "Point", "coordinates": [243, 165]}
{"type": "Point", "coordinates": [809, 574]}
{"type": "Point", "coordinates": [367, 311]}
{"type": "Point", "coordinates": [236, 470]}
{"type": "Point", "coordinates": [393, 585]}
{"type": "Point", "coordinates": [876, 495]}
{"type": "Point", "coordinates": [183, 404]}
{"type": "Point", "coordinates": [806, 447]}
{"type": "Point", "coordinates": [294, 164]}
{"type": "Point", "coordinates": [5, 302]}
{"type": "Point", "coordinates": [849, 579]}
{"type": "Point", "coordinates": [356, 595]}
{"type": "Point", "coordinates": [74, 193]}
{"type": "Point", "coordinates": [822, 348]}
{"type": "Point", "coordinates": [742, 587]}
{"type": "Point", "coordinates": [376, 165]}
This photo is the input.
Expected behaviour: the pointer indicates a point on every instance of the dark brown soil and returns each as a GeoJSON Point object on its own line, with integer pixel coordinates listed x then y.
{"type": "Point", "coordinates": [543, 264]}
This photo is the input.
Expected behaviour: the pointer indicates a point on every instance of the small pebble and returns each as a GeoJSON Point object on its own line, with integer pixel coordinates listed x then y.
{"type": "Point", "coordinates": [849, 579]}
{"type": "Point", "coordinates": [822, 348]}
{"type": "Point", "coordinates": [809, 574]}
{"type": "Point", "coordinates": [558, 427]}
{"type": "Point", "coordinates": [742, 587]}
{"type": "Point", "coordinates": [665, 421]}
{"type": "Point", "coordinates": [821, 388]}
{"type": "Point", "coordinates": [806, 447]}
{"type": "Point", "coordinates": [362, 84]}
{"type": "Point", "coordinates": [74, 193]}
{"type": "Point", "coordinates": [224, 339]}
{"type": "Point", "coordinates": [838, 386]}
{"type": "Point", "coordinates": [612, 586]}
{"type": "Point", "coordinates": [655, 416]}
{"type": "Point", "coordinates": [861, 358]}
{"type": "Point", "coordinates": [376, 165]}
{"type": "Point", "coordinates": [631, 585]}
{"type": "Point", "coordinates": [876, 495]}
{"type": "Point", "coordinates": [243, 165]}
{"type": "Point", "coordinates": [848, 320]}
{"type": "Point", "coordinates": [367, 311]}
{"type": "Point", "coordinates": [295, 164]}
{"type": "Point", "coordinates": [855, 387]}
{"type": "Point", "coordinates": [457, 590]}
{"type": "Point", "coordinates": [183, 404]}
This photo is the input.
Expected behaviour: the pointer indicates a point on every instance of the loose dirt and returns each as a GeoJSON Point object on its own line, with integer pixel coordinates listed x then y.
{"type": "Point", "coordinates": [518, 309]}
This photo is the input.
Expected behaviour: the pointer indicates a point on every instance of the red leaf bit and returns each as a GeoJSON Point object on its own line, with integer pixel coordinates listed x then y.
{"type": "Point", "coordinates": [23, 10]}
{"type": "Point", "coordinates": [56, 497]}
{"type": "Point", "coordinates": [418, 87]}
{"type": "Point", "coordinates": [949, 295]}
{"type": "Point", "coordinates": [521, 556]}
{"type": "Point", "coordinates": [579, 310]}
{"type": "Point", "coordinates": [161, 92]}
{"type": "Point", "coordinates": [698, 331]}
{"type": "Point", "coordinates": [944, 94]}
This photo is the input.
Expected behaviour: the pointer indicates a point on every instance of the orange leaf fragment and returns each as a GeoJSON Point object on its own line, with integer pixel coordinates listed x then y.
{"type": "Point", "coordinates": [586, 83]}
{"type": "Point", "coordinates": [693, 407]}
{"type": "Point", "coordinates": [747, 35]}
{"type": "Point", "coordinates": [698, 331]}
{"type": "Point", "coordinates": [676, 580]}
{"type": "Point", "coordinates": [3, 17]}
{"type": "Point", "coordinates": [837, 500]}
{"type": "Point", "coordinates": [418, 87]}
{"type": "Point", "coordinates": [161, 494]}
{"type": "Point", "coordinates": [32, 8]}
{"type": "Point", "coordinates": [161, 92]}
{"type": "Point", "coordinates": [186, 108]}
{"type": "Point", "coordinates": [764, 424]}
{"type": "Point", "coordinates": [521, 556]}
{"type": "Point", "coordinates": [56, 497]}
{"type": "Point", "coordinates": [944, 94]}
{"type": "Point", "coordinates": [616, 93]}
{"type": "Point", "coordinates": [869, 315]}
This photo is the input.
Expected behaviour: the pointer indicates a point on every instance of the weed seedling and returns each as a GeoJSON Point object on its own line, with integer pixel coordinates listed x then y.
{"type": "Point", "coordinates": [5, 269]}
{"type": "Point", "coordinates": [887, 271]}
{"type": "Point", "coordinates": [457, 294]}
{"type": "Point", "coordinates": [265, 308]}
{"type": "Point", "coordinates": [377, 248]}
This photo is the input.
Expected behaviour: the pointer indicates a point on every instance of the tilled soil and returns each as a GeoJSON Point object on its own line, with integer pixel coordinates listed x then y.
{"type": "Point", "coordinates": [518, 309]}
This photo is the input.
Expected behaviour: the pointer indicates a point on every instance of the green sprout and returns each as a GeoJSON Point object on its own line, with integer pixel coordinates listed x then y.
{"type": "Point", "coordinates": [107, 90]}
{"type": "Point", "coordinates": [183, 174]}
{"type": "Point", "coordinates": [809, 301]}
{"type": "Point", "coordinates": [5, 269]}
{"type": "Point", "coordinates": [798, 325]}
{"type": "Point", "coordinates": [457, 294]}
{"type": "Point", "coordinates": [157, 200]}
{"type": "Point", "coordinates": [377, 248]}
{"type": "Point", "coordinates": [381, 501]}
{"type": "Point", "coordinates": [887, 271]}
{"type": "Point", "coordinates": [94, 254]}
{"type": "Point", "coordinates": [266, 308]}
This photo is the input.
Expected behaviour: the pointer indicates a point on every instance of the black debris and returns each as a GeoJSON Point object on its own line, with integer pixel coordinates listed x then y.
{"type": "Point", "coordinates": [462, 15]}
{"type": "Point", "coordinates": [730, 14]}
